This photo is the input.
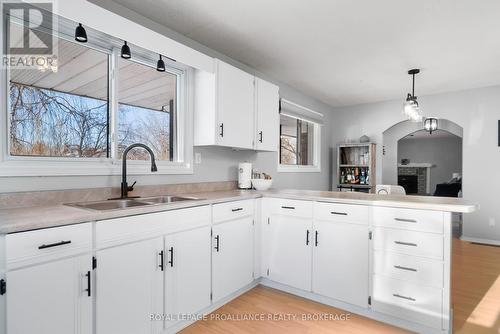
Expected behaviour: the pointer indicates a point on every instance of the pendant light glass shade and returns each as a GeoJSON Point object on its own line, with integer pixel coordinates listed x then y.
{"type": "Point", "coordinates": [126, 51]}
{"type": "Point", "coordinates": [411, 109]}
{"type": "Point", "coordinates": [160, 66]}
{"type": "Point", "coordinates": [431, 124]}
{"type": "Point", "coordinates": [80, 34]}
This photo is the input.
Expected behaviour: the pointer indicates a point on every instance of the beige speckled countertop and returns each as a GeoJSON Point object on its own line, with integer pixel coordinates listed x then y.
{"type": "Point", "coordinates": [30, 218]}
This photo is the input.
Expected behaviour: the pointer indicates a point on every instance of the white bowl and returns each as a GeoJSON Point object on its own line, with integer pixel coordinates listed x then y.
{"type": "Point", "coordinates": [261, 184]}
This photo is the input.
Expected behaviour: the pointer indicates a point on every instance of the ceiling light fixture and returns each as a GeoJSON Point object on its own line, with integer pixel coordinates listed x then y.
{"type": "Point", "coordinates": [126, 51]}
{"type": "Point", "coordinates": [431, 124]}
{"type": "Point", "coordinates": [80, 34]}
{"type": "Point", "coordinates": [411, 108]}
{"type": "Point", "coordinates": [160, 66]}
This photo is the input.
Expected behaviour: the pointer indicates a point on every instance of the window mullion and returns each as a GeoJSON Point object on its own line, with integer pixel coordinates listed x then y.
{"type": "Point", "coordinates": [113, 103]}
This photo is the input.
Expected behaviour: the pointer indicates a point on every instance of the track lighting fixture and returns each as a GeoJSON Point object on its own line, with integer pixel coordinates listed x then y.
{"type": "Point", "coordinates": [80, 34]}
{"type": "Point", "coordinates": [160, 66]}
{"type": "Point", "coordinates": [126, 51]}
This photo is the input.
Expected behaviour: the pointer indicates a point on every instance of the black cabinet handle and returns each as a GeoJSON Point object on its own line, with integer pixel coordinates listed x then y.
{"type": "Point", "coordinates": [405, 268]}
{"type": "Point", "coordinates": [316, 239]}
{"type": "Point", "coordinates": [260, 134]}
{"type": "Point", "coordinates": [171, 261]}
{"type": "Point", "coordinates": [217, 244]}
{"type": "Point", "coordinates": [405, 220]}
{"type": "Point", "coordinates": [161, 260]}
{"type": "Point", "coordinates": [60, 243]}
{"type": "Point", "coordinates": [237, 209]}
{"type": "Point", "coordinates": [307, 237]}
{"type": "Point", "coordinates": [88, 289]}
{"type": "Point", "coordinates": [403, 297]}
{"type": "Point", "coordinates": [288, 207]}
{"type": "Point", "coordinates": [221, 126]}
{"type": "Point", "coordinates": [405, 243]}
{"type": "Point", "coordinates": [339, 213]}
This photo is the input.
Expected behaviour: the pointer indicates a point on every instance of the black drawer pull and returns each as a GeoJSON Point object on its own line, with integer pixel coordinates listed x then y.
{"type": "Point", "coordinates": [288, 207]}
{"type": "Point", "coordinates": [171, 261]}
{"type": "Point", "coordinates": [316, 238]}
{"type": "Point", "coordinates": [339, 213]}
{"type": "Point", "coordinates": [260, 134]}
{"type": "Point", "coordinates": [404, 297]}
{"type": "Point", "coordinates": [221, 133]}
{"type": "Point", "coordinates": [60, 243]}
{"type": "Point", "coordinates": [88, 284]}
{"type": "Point", "coordinates": [405, 268]}
{"type": "Point", "coordinates": [405, 243]}
{"type": "Point", "coordinates": [404, 220]}
{"type": "Point", "coordinates": [307, 237]}
{"type": "Point", "coordinates": [237, 209]}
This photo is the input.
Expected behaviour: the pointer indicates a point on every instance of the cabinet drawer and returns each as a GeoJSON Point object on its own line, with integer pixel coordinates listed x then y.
{"type": "Point", "coordinates": [423, 244]}
{"type": "Point", "coordinates": [117, 231]}
{"type": "Point", "coordinates": [290, 207]}
{"type": "Point", "coordinates": [408, 301]}
{"type": "Point", "coordinates": [346, 213]}
{"type": "Point", "coordinates": [232, 210]}
{"type": "Point", "coordinates": [25, 248]}
{"type": "Point", "coordinates": [408, 219]}
{"type": "Point", "coordinates": [409, 268]}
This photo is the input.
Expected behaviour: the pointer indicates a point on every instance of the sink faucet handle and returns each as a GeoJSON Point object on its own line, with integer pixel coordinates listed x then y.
{"type": "Point", "coordinates": [130, 188]}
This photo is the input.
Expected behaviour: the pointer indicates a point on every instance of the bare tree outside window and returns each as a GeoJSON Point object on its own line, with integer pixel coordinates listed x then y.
{"type": "Point", "coordinates": [296, 141]}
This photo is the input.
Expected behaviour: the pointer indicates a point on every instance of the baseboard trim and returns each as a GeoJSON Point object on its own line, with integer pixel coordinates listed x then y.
{"type": "Point", "coordinates": [488, 242]}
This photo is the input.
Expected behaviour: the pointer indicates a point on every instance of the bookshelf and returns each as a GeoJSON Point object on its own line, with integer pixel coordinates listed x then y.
{"type": "Point", "coordinates": [356, 167]}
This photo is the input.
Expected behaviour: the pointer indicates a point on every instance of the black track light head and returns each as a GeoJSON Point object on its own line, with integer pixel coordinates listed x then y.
{"type": "Point", "coordinates": [80, 34]}
{"type": "Point", "coordinates": [126, 51]}
{"type": "Point", "coordinates": [160, 66]}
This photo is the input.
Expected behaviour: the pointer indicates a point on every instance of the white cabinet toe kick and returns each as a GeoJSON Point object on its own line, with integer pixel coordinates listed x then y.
{"type": "Point", "coordinates": [159, 272]}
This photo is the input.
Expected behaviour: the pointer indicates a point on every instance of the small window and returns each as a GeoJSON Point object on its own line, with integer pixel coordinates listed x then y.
{"type": "Point", "coordinates": [63, 111]}
{"type": "Point", "coordinates": [296, 141]}
{"type": "Point", "coordinates": [147, 103]}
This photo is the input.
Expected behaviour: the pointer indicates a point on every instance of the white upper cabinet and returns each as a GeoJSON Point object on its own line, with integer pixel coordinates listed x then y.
{"type": "Point", "coordinates": [229, 103]}
{"type": "Point", "coordinates": [267, 114]}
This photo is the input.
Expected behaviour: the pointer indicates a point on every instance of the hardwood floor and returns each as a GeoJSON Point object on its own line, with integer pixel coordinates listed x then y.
{"type": "Point", "coordinates": [476, 302]}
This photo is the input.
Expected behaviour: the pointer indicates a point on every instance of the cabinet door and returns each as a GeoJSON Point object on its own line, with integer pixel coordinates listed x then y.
{"type": "Point", "coordinates": [50, 298]}
{"type": "Point", "coordinates": [268, 119]}
{"type": "Point", "coordinates": [129, 284]}
{"type": "Point", "coordinates": [289, 250]}
{"type": "Point", "coordinates": [187, 272]}
{"type": "Point", "coordinates": [235, 107]}
{"type": "Point", "coordinates": [232, 256]}
{"type": "Point", "coordinates": [340, 261]}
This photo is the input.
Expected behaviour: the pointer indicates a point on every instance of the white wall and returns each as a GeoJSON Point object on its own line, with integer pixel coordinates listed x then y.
{"type": "Point", "coordinates": [444, 153]}
{"type": "Point", "coordinates": [218, 164]}
{"type": "Point", "coordinates": [476, 111]}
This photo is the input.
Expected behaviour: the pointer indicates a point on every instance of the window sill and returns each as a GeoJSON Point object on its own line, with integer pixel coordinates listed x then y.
{"type": "Point", "coordinates": [87, 168]}
{"type": "Point", "coordinates": [298, 169]}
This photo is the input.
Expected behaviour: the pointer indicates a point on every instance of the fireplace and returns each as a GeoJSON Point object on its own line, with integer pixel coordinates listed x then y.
{"type": "Point", "coordinates": [409, 182]}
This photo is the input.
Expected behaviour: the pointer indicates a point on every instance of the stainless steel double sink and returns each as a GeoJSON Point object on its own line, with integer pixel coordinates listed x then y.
{"type": "Point", "coordinates": [117, 204]}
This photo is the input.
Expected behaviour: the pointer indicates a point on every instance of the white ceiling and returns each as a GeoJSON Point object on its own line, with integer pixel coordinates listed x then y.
{"type": "Point", "coordinates": [346, 52]}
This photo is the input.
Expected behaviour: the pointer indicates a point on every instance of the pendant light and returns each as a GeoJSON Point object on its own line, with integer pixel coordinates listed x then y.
{"type": "Point", "coordinates": [80, 34]}
{"type": "Point", "coordinates": [431, 124]}
{"type": "Point", "coordinates": [411, 109]}
{"type": "Point", "coordinates": [126, 51]}
{"type": "Point", "coordinates": [160, 66]}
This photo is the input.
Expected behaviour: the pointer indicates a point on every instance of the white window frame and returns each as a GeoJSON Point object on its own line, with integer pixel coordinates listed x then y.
{"type": "Point", "coordinates": [316, 166]}
{"type": "Point", "coordinates": [58, 166]}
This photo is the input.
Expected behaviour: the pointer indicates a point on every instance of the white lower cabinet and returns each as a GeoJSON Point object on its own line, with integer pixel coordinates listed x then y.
{"type": "Point", "coordinates": [129, 283]}
{"type": "Point", "coordinates": [232, 256]}
{"type": "Point", "coordinates": [51, 298]}
{"type": "Point", "coordinates": [187, 273]}
{"type": "Point", "coordinates": [340, 261]}
{"type": "Point", "coordinates": [288, 250]}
